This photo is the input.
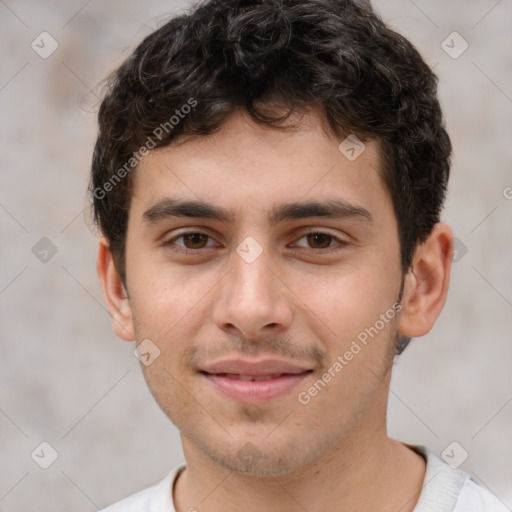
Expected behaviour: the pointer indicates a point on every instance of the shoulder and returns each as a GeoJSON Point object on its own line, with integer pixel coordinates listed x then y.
{"type": "Point", "coordinates": [449, 489]}
{"type": "Point", "coordinates": [475, 498]}
{"type": "Point", "coordinates": [152, 499]}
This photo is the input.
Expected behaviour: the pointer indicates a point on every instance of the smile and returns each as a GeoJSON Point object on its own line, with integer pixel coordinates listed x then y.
{"type": "Point", "coordinates": [254, 383]}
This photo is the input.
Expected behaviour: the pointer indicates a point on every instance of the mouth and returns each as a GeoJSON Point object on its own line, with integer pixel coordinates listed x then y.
{"type": "Point", "coordinates": [254, 382]}
{"type": "Point", "coordinates": [250, 378]}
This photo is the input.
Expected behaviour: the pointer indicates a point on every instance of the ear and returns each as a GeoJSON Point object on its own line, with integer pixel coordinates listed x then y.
{"type": "Point", "coordinates": [426, 284]}
{"type": "Point", "coordinates": [116, 297]}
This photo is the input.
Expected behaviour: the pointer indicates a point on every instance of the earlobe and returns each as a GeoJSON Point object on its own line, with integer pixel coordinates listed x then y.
{"type": "Point", "coordinates": [426, 284]}
{"type": "Point", "coordinates": [116, 297]}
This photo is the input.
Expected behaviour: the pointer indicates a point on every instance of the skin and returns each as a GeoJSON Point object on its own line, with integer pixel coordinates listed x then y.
{"type": "Point", "coordinates": [297, 301]}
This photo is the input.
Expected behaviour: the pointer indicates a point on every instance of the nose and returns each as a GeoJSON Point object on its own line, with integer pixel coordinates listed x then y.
{"type": "Point", "coordinates": [253, 301]}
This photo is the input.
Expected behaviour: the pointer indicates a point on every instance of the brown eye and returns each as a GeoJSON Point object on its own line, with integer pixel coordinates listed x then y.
{"type": "Point", "coordinates": [190, 242]}
{"type": "Point", "coordinates": [319, 240]}
{"type": "Point", "coordinates": [194, 240]}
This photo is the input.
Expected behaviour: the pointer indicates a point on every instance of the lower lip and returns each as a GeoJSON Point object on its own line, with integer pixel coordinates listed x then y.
{"type": "Point", "coordinates": [255, 391]}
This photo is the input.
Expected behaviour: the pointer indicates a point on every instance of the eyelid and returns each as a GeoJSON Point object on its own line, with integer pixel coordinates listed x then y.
{"type": "Point", "coordinates": [322, 231]}
{"type": "Point", "coordinates": [170, 241]}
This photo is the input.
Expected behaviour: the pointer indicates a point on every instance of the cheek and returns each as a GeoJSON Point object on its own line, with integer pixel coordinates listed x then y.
{"type": "Point", "coordinates": [164, 297]}
{"type": "Point", "coordinates": [170, 310]}
{"type": "Point", "coordinates": [348, 300]}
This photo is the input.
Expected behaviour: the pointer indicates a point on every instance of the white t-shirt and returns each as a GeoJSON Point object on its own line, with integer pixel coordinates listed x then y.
{"type": "Point", "coordinates": [445, 489]}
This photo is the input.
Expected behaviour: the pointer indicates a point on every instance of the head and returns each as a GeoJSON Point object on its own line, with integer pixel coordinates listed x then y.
{"type": "Point", "coordinates": [268, 180]}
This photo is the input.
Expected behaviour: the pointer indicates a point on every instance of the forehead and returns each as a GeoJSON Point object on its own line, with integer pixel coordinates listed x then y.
{"type": "Point", "coordinates": [249, 167]}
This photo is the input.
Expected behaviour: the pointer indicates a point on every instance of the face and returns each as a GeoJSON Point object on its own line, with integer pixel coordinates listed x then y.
{"type": "Point", "coordinates": [264, 267]}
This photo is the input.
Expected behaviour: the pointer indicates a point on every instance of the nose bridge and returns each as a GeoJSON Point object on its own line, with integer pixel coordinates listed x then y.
{"type": "Point", "coordinates": [252, 297]}
{"type": "Point", "coordinates": [251, 279]}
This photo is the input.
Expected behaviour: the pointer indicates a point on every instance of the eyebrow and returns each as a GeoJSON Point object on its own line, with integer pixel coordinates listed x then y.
{"type": "Point", "coordinates": [332, 208]}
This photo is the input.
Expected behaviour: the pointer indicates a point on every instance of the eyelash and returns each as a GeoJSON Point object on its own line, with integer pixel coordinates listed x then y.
{"type": "Point", "coordinates": [327, 250]}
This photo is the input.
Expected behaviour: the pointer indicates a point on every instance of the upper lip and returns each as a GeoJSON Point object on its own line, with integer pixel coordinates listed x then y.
{"type": "Point", "coordinates": [254, 368]}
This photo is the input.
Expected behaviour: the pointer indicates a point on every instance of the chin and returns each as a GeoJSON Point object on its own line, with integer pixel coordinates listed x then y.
{"type": "Point", "coordinates": [258, 455]}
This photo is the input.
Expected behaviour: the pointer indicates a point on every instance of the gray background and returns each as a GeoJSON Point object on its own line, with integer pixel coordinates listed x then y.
{"type": "Point", "coordinates": [65, 377]}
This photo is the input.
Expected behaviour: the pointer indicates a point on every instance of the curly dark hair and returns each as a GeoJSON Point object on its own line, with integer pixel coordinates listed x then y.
{"type": "Point", "coordinates": [272, 58]}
